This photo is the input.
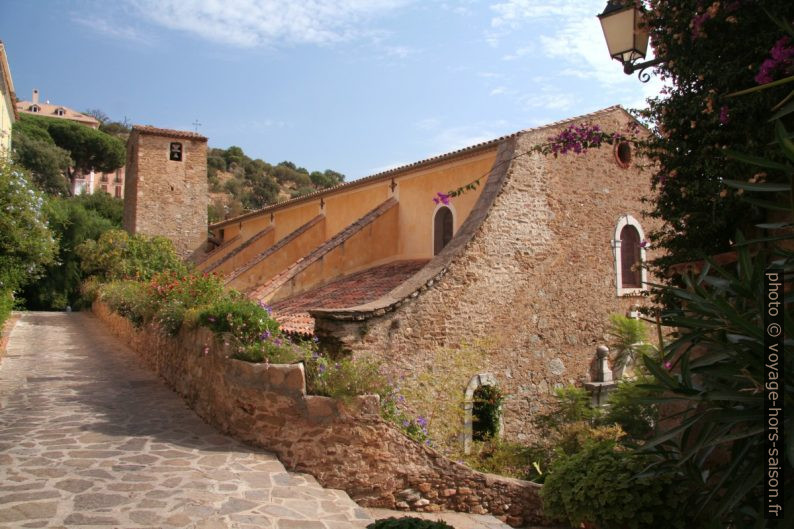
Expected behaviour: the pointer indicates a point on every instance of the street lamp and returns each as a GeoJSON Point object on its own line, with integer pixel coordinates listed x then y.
{"type": "Point", "coordinates": [623, 22]}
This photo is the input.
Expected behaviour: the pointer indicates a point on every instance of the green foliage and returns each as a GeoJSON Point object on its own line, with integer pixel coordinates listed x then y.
{"type": "Point", "coordinates": [344, 377]}
{"type": "Point", "coordinates": [255, 183]}
{"type": "Point", "coordinates": [74, 220]}
{"type": "Point", "coordinates": [505, 458]}
{"type": "Point", "coordinates": [720, 356]}
{"type": "Point", "coordinates": [572, 404]}
{"type": "Point", "coordinates": [27, 245]}
{"type": "Point", "coordinates": [710, 52]}
{"type": "Point", "coordinates": [486, 412]}
{"type": "Point", "coordinates": [116, 255]}
{"type": "Point", "coordinates": [6, 305]}
{"type": "Point", "coordinates": [173, 293]}
{"type": "Point", "coordinates": [631, 407]}
{"type": "Point", "coordinates": [47, 163]}
{"type": "Point", "coordinates": [629, 340]}
{"type": "Point", "coordinates": [129, 299]}
{"type": "Point", "coordinates": [242, 319]}
{"type": "Point", "coordinates": [408, 523]}
{"type": "Point", "coordinates": [87, 149]}
{"type": "Point", "coordinates": [603, 485]}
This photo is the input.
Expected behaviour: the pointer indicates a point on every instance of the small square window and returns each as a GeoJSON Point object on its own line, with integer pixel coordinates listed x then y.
{"type": "Point", "coordinates": [176, 152]}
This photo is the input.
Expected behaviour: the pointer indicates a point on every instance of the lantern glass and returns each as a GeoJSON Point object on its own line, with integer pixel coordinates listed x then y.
{"type": "Point", "coordinates": [625, 32]}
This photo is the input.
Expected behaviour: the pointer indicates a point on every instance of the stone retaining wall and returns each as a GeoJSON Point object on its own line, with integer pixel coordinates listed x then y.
{"type": "Point", "coordinates": [344, 445]}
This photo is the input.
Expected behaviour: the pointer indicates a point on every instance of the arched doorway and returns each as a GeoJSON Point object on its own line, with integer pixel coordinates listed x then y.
{"type": "Point", "coordinates": [482, 406]}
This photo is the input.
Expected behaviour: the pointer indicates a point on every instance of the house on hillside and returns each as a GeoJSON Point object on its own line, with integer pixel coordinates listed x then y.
{"type": "Point", "coordinates": [112, 183]}
{"type": "Point", "coordinates": [532, 262]}
{"type": "Point", "coordinates": [8, 110]}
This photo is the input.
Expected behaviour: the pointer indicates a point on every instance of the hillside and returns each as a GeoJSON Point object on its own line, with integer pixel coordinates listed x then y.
{"type": "Point", "coordinates": [238, 183]}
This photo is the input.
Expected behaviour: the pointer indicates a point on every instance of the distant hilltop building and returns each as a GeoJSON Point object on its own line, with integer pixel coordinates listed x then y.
{"type": "Point", "coordinates": [45, 109]}
{"type": "Point", "coordinates": [8, 112]}
{"type": "Point", "coordinates": [112, 183]}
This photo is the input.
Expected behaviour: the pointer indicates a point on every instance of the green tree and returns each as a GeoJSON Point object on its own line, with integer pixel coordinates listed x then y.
{"type": "Point", "coordinates": [27, 245]}
{"type": "Point", "coordinates": [47, 163]}
{"type": "Point", "coordinates": [89, 149]}
{"type": "Point", "coordinates": [74, 220]}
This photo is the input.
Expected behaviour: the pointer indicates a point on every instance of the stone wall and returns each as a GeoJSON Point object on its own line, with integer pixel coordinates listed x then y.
{"type": "Point", "coordinates": [163, 196]}
{"type": "Point", "coordinates": [344, 445]}
{"type": "Point", "coordinates": [534, 274]}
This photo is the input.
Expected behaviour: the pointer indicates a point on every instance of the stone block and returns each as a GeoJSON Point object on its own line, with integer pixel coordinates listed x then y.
{"type": "Point", "coordinates": [320, 406]}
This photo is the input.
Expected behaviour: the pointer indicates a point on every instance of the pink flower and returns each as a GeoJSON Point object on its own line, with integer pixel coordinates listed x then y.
{"type": "Point", "coordinates": [668, 366]}
{"type": "Point", "coordinates": [441, 198]}
{"type": "Point", "coordinates": [781, 58]}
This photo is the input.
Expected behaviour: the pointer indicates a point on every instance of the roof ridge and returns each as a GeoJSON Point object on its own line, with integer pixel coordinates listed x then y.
{"type": "Point", "coordinates": [412, 165]}
{"type": "Point", "coordinates": [302, 263]}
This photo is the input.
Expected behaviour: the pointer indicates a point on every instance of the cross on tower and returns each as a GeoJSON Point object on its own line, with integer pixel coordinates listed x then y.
{"type": "Point", "coordinates": [196, 125]}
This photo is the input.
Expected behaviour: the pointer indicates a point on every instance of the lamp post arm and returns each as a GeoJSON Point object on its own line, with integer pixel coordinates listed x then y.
{"type": "Point", "coordinates": [629, 68]}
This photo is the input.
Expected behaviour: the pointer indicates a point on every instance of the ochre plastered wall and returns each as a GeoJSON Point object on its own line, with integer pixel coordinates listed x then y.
{"type": "Point", "coordinates": [537, 280]}
{"type": "Point", "coordinates": [408, 235]}
{"type": "Point", "coordinates": [165, 197]}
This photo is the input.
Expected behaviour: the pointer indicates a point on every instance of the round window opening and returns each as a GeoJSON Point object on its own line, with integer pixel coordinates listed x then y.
{"type": "Point", "coordinates": [623, 154]}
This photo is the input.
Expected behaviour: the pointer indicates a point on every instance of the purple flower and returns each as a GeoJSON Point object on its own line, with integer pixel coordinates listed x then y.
{"type": "Point", "coordinates": [422, 422]}
{"type": "Point", "coordinates": [441, 198]}
{"type": "Point", "coordinates": [668, 366]}
{"type": "Point", "coordinates": [321, 369]}
{"type": "Point", "coordinates": [406, 423]}
{"type": "Point", "coordinates": [264, 336]}
{"type": "Point", "coordinates": [211, 319]}
{"type": "Point", "coordinates": [724, 116]}
{"type": "Point", "coordinates": [781, 57]}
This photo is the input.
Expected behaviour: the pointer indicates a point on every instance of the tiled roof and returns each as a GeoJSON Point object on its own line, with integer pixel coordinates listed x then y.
{"type": "Point", "coordinates": [350, 291]}
{"type": "Point", "coordinates": [301, 264]}
{"type": "Point", "coordinates": [49, 111]}
{"type": "Point", "coordinates": [154, 131]}
{"type": "Point", "coordinates": [397, 171]}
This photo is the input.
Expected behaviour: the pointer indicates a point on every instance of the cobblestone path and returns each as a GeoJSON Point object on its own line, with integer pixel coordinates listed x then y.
{"type": "Point", "coordinates": [90, 438]}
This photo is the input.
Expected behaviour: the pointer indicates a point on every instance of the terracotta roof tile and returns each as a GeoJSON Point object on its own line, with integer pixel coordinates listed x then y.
{"type": "Point", "coordinates": [154, 131]}
{"type": "Point", "coordinates": [349, 291]}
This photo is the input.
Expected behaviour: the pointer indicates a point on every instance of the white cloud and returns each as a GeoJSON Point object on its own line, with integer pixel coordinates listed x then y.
{"type": "Point", "coordinates": [113, 29]}
{"type": "Point", "coordinates": [252, 23]}
{"type": "Point", "coordinates": [513, 13]}
{"type": "Point", "coordinates": [551, 101]}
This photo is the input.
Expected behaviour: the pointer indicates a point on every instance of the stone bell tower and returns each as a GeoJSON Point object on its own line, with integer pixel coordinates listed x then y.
{"type": "Point", "coordinates": [165, 192]}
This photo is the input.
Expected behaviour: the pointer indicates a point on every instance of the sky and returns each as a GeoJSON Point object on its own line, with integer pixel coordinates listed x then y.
{"type": "Point", "coordinates": [357, 86]}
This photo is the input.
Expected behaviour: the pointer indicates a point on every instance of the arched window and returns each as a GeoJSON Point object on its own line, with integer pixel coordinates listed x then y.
{"type": "Point", "coordinates": [442, 229]}
{"type": "Point", "coordinates": [34, 108]}
{"type": "Point", "coordinates": [629, 245]}
{"type": "Point", "coordinates": [60, 112]}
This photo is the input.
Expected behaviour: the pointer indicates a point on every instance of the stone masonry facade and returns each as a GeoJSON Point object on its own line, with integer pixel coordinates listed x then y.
{"type": "Point", "coordinates": [344, 445]}
{"type": "Point", "coordinates": [166, 186]}
{"type": "Point", "coordinates": [532, 272]}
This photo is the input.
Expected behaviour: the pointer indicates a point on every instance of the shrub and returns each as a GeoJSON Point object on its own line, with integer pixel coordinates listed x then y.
{"type": "Point", "coordinates": [506, 458]}
{"type": "Point", "coordinates": [572, 404]}
{"type": "Point", "coordinates": [630, 408]}
{"type": "Point", "coordinates": [409, 523]}
{"type": "Point", "coordinates": [117, 255]}
{"type": "Point", "coordinates": [6, 304]}
{"type": "Point", "coordinates": [245, 321]}
{"type": "Point", "coordinates": [345, 377]}
{"type": "Point", "coordinates": [129, 299]}
{"type": "Point", "coordinates": [273, 349]}
{"type": "Point", "coordinates": [602, 485]}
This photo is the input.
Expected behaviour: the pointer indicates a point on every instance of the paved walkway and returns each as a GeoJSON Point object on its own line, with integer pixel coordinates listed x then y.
{"type": "Point", "coordinates": [90, 438]}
